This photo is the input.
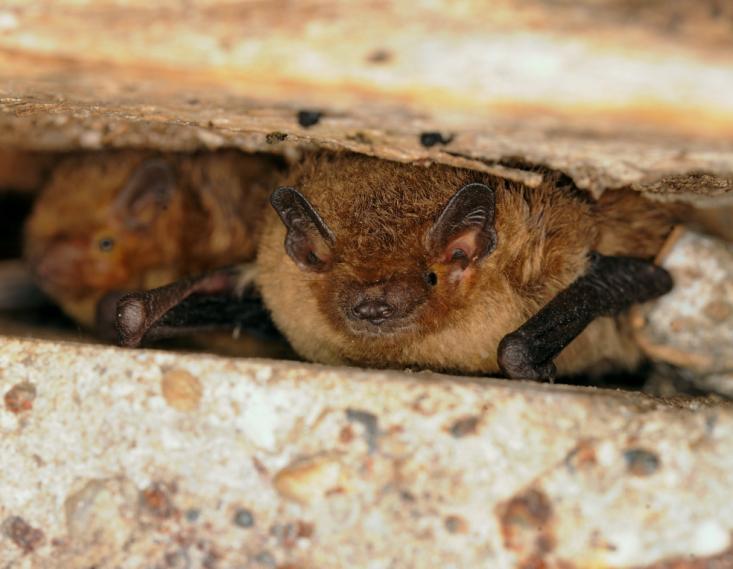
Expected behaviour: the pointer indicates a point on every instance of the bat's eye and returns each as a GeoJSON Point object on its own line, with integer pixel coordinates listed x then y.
{"type": "Point", "coordinates": [431, 278]}
{"type": "Point", "coordinates": [106, 244]}
{"type": "Point", "coordinates": [312, 259]}
{"type": "Point", "coordinates": [458, 255]}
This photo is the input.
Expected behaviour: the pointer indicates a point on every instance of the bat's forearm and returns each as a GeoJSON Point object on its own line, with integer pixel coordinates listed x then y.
{"type": "Point", "coordinates": [610, 286]}
{"type": "Point", "coordinates": [201, 312]}
{"type": "Point", "coordinates": [150, 314]}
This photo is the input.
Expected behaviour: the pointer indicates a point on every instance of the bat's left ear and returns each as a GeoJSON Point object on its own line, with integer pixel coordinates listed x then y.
{"type": "Point", "coordinates": [309, 241]}
{"type": "Point", "coordinates": [146, 194]}
{"type": "Point", "coordinates": [464, 230]}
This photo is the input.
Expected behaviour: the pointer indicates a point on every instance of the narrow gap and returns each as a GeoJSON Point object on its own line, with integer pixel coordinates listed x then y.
{"type": "Point", "coordinates": [27, 312]}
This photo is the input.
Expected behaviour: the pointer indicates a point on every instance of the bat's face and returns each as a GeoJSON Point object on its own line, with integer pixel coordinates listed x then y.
{"type": "Point", "coordinates": [74, 265]}
{"type": "Point", "coordinates": [79, 248]}
{"type": "Point", "coordinates": [377, 291]}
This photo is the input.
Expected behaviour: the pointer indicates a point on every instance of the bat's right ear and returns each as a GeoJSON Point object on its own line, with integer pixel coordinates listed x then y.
{"type": "Point", "coordinates": [464, 230]}
{"type": "Point", "coordinates": [309, 241]}
{"type": "Point", "coordinates": [147, 192]}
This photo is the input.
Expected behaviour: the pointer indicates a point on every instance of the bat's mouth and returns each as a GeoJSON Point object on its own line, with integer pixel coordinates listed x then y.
{"type": "Point", "coordinates": [385, 329]}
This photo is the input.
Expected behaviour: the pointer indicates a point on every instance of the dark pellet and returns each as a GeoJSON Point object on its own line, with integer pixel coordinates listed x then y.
{"type": "Point", "coordinates": [429, 139]}
{"type": "Point", "coordinates": [307, 119]}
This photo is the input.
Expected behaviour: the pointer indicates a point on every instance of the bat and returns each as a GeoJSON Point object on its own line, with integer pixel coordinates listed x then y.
{"type": "Point", "coordinates": [113, 222]}
{"type": "Point", "coordinates": [369, 262]}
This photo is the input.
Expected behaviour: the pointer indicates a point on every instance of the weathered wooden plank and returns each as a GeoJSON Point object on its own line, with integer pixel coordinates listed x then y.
{"type": "Point", "coordinates": [613, 93]}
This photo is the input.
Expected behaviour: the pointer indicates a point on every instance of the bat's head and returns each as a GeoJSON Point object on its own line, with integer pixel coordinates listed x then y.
{"type": "Point", "coordinates": [97, 224]}
{"type": "Point", "coordinates": [392, 267]}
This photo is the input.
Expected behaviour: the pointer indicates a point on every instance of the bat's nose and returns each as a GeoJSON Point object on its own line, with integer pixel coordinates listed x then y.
{"type": "Point", "coordinates": [375, 311]}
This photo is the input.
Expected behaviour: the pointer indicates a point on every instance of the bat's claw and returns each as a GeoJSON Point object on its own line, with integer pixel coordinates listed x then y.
{"type": "Point", "coordinates": [132, 320]}
{"type": "Point", "coordinates": [515, 360]}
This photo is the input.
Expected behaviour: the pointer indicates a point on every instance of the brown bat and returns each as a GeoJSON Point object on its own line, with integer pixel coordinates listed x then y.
{"type": "Point", "coordinates": [375, 263]}
{"type": "Point", "coordinates": [129, 220]}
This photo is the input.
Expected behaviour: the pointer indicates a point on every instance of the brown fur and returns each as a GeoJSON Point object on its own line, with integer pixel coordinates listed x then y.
{"type": "Point", "coordinates": [213, 219]}
{"type": "Point", "coordinates": [22, 170]}
{"type": "Point", "coordinates": [379, 213]}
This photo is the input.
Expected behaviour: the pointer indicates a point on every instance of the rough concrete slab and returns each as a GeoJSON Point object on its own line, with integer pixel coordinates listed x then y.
{"type": "Point", "coordinates": [114, 458]}
{"type": "Point", "coordinates": [692, 326]}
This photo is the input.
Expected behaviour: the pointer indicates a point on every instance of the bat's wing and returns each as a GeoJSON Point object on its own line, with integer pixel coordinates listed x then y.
{"type": "Point", "coordinates": [224, 299]}
{"type": "Point", "coordinates": [611, 285]}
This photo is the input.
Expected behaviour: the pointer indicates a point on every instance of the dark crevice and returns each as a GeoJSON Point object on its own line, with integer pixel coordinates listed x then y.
{"type": "Point", "coordinates": [14, 208]}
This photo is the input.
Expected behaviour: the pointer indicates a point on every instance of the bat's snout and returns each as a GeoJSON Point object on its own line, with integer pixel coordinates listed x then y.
{"type": "Point", "coordinates": [57, 266]}
{"type": "Point", "coordinates": [375, 311]}
{"type": "Point", "coordinates": [384, 308]}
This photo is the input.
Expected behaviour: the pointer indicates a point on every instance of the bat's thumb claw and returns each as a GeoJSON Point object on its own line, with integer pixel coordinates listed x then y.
{"type": "Point", "coordinates": [515, 360]}
{"type": "Point", "coordinates": [131, 320]}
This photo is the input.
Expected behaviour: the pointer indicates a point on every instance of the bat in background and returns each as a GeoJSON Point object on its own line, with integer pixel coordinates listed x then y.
{"type": "Point", "coordinates": [113, 222]}
{"type": "Point", "coordinates": [368, 262]}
